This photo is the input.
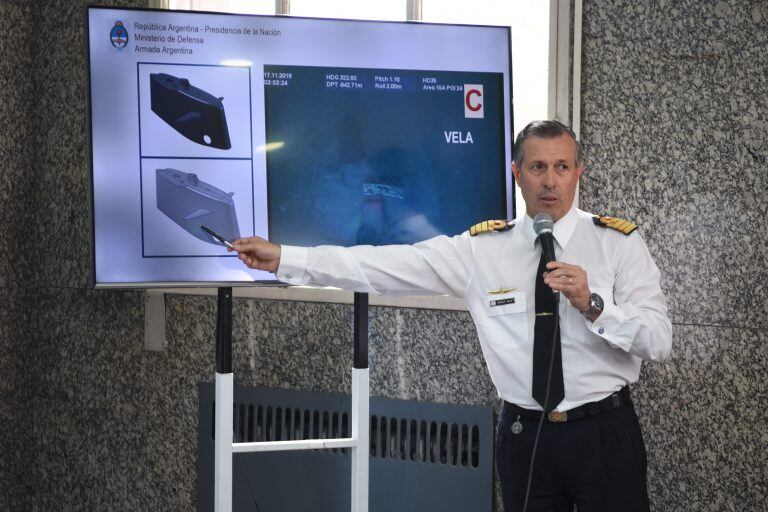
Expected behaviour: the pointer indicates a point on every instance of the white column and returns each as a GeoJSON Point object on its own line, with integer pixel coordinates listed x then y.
{"type": "Point", "coordinates": [361, 434]}
{"type": "Point", "coordinates": [223, 445]}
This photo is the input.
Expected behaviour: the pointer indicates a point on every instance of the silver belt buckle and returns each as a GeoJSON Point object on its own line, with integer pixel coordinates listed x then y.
{"type": "Point", "coordinates": [557, 416]}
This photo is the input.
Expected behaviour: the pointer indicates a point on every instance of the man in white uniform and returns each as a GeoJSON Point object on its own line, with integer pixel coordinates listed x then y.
{"type": "Point", "coordinates": [590, 452]}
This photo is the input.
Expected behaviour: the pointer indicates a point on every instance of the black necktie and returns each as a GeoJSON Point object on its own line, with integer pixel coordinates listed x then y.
{"type": "Point", "coordinates": [543, 345]}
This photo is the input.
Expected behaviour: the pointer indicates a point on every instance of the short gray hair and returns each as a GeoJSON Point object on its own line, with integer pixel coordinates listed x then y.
{"type": "Point", "coordinates": [546, 130]}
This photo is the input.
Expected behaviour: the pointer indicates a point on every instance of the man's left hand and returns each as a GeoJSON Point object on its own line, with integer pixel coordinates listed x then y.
{"type": "Point", "coordinates": [571, 281]}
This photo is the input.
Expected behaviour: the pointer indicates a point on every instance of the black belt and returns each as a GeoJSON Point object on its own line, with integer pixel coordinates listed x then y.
{"type": "Point", "coordinates": [612, 401]}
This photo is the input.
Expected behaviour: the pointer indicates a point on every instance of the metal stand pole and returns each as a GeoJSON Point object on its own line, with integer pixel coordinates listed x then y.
{"type": "Point", "coordinates": [224, 403]}
{"type": "Point", "coordinates": [360, 408]}
{"type": "Point", "coordinates": [224, 447]}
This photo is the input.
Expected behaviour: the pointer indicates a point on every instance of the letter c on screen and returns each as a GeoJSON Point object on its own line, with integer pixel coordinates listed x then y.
{"type": "Point", "coordinates": [473, 106]}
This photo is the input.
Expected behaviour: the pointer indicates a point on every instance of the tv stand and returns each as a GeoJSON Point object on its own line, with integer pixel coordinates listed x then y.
{"type": "Point", "coordinates": [224, 446]}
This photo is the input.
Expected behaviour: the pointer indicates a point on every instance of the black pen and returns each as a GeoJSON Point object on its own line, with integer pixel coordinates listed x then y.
{"type": "Point", "coordinates": [217, 237]}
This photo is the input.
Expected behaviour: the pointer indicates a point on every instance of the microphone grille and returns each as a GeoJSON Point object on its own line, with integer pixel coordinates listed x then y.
{"type": "Point", "coordinates": [542, 223]}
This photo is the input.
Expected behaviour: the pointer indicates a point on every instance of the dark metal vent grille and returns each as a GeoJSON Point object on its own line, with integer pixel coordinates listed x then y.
{"type": "Point", "coordinates": [391, 438]}
{"type": "Point", "coordinates": [423, 456]}
{"type": "Point", "coordinates": [425, 441]}
{"type": "Point", "coordinates": [258, 423]}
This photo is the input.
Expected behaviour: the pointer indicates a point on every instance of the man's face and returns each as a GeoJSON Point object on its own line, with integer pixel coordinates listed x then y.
{"type": "Point", "coordinates": [548, 175]}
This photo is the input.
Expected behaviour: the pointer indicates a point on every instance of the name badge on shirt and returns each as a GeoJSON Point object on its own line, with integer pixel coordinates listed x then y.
{"type": "Point", "coordinates": [505, 304]}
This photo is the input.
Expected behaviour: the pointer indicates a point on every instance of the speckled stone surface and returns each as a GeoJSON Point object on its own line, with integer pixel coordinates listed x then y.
{"type": "Point", "coordinates": [172, 401]}
{"type": "Point", "coordinates": [675, 129]}
{"type": "Point", "coordinates": [298, 346]}
{"type": "Point", "coordinates": [89, 346]}
{"type": "Point", "coordinates": [702, 415]}
{"type": "Point", "coordinates": [61, 213]}
{"type": "Point", "coordinates": [16, 391]}
{"type": "Point", "coordinates": [16, 346]}
{"type": "Point", "coordinates": [17, 466]}
{"type": "Point", "coordinates": [89, 404]}
{"type": "Point", "coordinates": [16, 132]}
{"type": "Point", "coordinates": [430, 356]}
{"type": "Point", "coordinates": [89, 458]}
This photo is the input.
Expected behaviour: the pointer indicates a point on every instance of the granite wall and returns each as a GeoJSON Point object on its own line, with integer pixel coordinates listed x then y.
{"type": "Point", "coordinates": [16, 132]}
{"type": "Point", "coordinates": [674, 125]}
{"type": "Point", "coordinates": [675, 129]}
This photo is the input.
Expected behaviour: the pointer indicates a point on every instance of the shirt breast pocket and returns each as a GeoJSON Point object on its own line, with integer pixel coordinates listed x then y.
{"type": "Point", "coordinates": [507, 319]}
{"type": "Point", "coordinates": [577, 324]}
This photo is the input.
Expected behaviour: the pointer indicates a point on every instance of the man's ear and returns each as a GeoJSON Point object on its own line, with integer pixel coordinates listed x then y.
{"type": "Point", "coordinates": [579, 170]}
{"type": "Point", "coordinates": [516, 173]}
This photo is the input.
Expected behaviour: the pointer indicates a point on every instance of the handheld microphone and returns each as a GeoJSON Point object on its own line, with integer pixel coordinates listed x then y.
{"type": "Point", "coordinates": [542, 226]}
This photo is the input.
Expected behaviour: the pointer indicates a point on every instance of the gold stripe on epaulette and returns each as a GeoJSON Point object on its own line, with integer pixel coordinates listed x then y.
{"type": "Point", "coordinates": [488, 226]}
{"type": "Point", "coordinates": [621, 225]}
{"type": "Point", "coordinates": [625, 226]}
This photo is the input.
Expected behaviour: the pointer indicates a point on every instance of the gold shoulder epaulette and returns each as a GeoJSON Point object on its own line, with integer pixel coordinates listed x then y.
{"type": "Point", "coordinates": [487, 226]}
{"type": "Point", "coordinates": [622, 225]}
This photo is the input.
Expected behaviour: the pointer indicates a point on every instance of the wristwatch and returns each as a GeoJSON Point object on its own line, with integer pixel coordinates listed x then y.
{"type": "Point", "coordinates": [596, 305]}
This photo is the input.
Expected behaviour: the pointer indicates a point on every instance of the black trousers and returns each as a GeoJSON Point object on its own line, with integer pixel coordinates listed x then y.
{"type": "Point", "coordinates": [597, 463]}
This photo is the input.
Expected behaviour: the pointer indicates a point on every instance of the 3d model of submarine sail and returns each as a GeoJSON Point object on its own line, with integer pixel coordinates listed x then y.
{"type": "Point", "coordinates": [193, 112]}
{"type": "Point", "coordinates": [189, 202]}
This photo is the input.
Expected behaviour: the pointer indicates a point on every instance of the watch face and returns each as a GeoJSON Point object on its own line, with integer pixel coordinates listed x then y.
{"type": "Point", "coordinates": [595, 302]}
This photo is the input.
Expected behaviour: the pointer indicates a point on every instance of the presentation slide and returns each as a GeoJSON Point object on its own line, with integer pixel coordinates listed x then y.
{"type": "Point", "coordinates": [302, 131]}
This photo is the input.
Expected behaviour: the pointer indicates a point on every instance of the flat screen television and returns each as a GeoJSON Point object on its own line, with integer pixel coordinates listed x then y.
{"type": "Point", "coordinates": [303, 131]}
